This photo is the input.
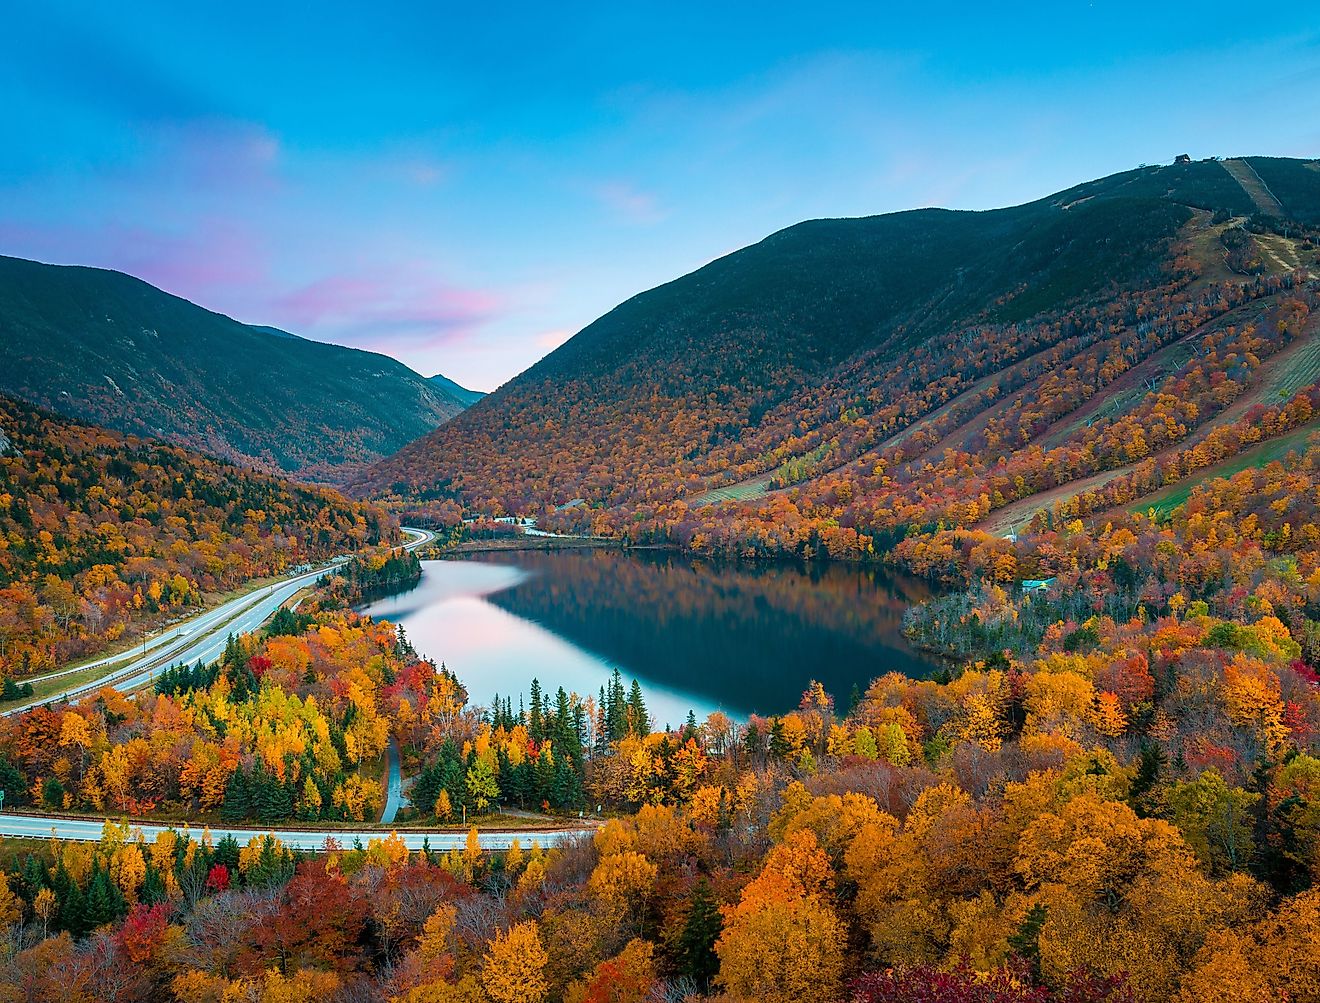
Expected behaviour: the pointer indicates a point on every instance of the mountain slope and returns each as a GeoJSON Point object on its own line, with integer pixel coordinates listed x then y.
{"type": "Point", "coordinates": [105, 534]}
{"type": "Point", "coordinates": [105, 347]}
{"type": "Point", "coordinates": [887, 369]}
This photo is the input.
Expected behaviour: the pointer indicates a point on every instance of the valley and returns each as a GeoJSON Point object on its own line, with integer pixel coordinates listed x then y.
{"type": "Point", "coordinates": [913, 607]}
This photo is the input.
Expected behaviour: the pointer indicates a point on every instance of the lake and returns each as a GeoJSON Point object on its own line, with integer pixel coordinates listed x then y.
{"type": "Point", "coordinates": [700, 635]}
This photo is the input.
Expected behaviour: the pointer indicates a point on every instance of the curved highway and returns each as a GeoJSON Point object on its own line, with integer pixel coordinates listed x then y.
{"type": "Point", "coordinates": [201, 639]}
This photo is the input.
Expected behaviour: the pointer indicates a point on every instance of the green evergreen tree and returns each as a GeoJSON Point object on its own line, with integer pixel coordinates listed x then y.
{"type": "Point", "coordinates": [696, 942]}
{"type": "Point", "coordinates": [752, 743]}
{"type": "Point", "coordinates": [237, 803]}
{"type": "Point", "coordinates": [105, 902]}
{"type": "Point", "coordinates": [1150, 766]}
{"type": "Point", "coordinates": [1025, 942]}
{"type": "Point", "coordinates": [153, 886]}
{"type": "Point", "coordinates": [536, 718]}
{"type": "Point", "coordinates": [639, 720]}
{"type": "Point", "coordinates": [616, 708]}
{"type": "Point", "coordinates": [226, 853]}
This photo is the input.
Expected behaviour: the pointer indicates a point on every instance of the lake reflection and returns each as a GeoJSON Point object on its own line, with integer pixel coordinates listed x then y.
{"type": "Point", "coordinates": [698, 635]}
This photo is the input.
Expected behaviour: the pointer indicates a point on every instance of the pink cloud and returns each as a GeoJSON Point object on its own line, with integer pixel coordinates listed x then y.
{"type": "Point", "coordinates": [630, 203]}
{"type": "Point", "coordinates": [550, 340]}
{"type": "Point", "coordinates": [376, 308]}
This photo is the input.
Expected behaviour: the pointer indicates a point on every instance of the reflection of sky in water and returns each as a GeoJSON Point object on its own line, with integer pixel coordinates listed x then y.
{"type": "Point", "coordinates": [448, 619]}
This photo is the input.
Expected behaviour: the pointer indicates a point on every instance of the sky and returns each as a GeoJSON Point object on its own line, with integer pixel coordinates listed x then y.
{"type": "Point", "coordinates": [465, 190]}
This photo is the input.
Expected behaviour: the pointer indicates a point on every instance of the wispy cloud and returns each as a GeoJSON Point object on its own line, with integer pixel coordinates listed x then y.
{"type": "Point", "coordinates": [629, 203]}
{"type": "Point", "coordinates": [378, 308]}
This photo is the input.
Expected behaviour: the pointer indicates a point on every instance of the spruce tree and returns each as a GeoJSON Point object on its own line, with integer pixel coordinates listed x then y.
{"type": "Point", "coordinates": [563, 732]}
{"type": "Point", "coordinates": [616, 709]}
{"type": "Point", "coordinates": [237, 804]}
{"type": "Point", "coordinates": [105, 902]}
{"type": "Point", "coordinates": [536, 719]}
{"type": "Point", "coordinates": [226, 853]}
{"type": "Point", "coordinates": [1025, 942]}
{"type": "Point", "coordinates": [153, 886]}
{"type": "Point", "coordinates": [696, 942]}
{"type": "Point", "coordinates": [639, 721]}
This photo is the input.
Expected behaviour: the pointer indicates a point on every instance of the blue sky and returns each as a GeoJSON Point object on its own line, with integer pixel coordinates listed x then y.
{"type": "Point", "coordinates": [465, 190]}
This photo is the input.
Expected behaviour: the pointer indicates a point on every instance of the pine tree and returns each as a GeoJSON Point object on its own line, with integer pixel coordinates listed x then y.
{"type": "Point", "coordinates": [696, 942]}
{"type": "Point", "coordinates": [639, 721]}
{"type": "Point", "coordinates": [153, 886]}
{"type": "Point", "coordinates": [536, 721]}
{"type": "Point", "coordinates": [1025, 942]}
{"type": "Point", "coordinates": [752, 740]}
{"type": "Point", "coordinates": [72, 915]}
{"type": "Point", "coordinates": [226, 853]}
{"type": "Point", "coordinates": [616, 709]}
{"type": "Point", "coordinates": [565, 737]}
{"type": "Point", "coordinates": [237, 804]}
{"type": "Point", "coordinates": [1149, 767]}
{"type": "Point", "coordinates": [105, 902]}
{"type": "Point", "coordinates": [602, 724]}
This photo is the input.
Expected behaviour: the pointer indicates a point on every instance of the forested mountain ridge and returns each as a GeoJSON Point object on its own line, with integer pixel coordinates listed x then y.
{"type": "Point", "coordinates": [105, 347]}
{"type": "Point", "coordinates": [102, 534]}
{"type": "Point", "coordinates": [860, 361]}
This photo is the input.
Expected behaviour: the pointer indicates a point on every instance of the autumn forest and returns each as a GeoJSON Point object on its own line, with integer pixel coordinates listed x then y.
{"type": "Point", "coordinates": [1099, 455]}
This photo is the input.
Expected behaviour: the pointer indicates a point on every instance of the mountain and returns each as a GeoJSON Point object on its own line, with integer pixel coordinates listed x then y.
{"type": "Point", "coordinates": [462, 394]}
{"type": "Point", "coordinates": [108, 348]}
{"type": "Point", "coordinates": [849, 378]}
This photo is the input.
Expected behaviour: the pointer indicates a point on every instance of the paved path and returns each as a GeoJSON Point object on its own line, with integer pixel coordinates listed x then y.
{"type": "Point", "coordinates": [393, 786]}
{"type": "Point", "coordinates": [201, 639]}
{"type": "Point", "coordinates": [89, 830]}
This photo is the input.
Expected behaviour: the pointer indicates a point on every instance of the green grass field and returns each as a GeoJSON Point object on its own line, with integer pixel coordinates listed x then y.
{"type": "Point", "coordinates": [753, 488]}
{"type": "Point", "coordinates": [1260, 455]}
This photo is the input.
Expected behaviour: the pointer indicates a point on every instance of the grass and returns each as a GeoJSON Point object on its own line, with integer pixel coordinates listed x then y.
{"type": "Point", "coordinates": [47, 688]}
{"type": "Point", "coordinates": [754, 487]}
{"type": "Point", "coordinates": [1260, 455]}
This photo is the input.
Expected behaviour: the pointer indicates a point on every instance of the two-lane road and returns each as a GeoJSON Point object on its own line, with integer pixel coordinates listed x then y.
{"type": "Point", "coordinates": [201, 639]}
{"type": "Point", "coordinates": [89, 830]}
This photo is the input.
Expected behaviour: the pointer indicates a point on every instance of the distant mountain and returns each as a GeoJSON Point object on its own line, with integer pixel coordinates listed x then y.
{"type": "Point", "coordinates": [105, 347]}
{"type": "Point", "coordinates": [462, 394]}
{"type": "Point", "coordinates": [851, 347]}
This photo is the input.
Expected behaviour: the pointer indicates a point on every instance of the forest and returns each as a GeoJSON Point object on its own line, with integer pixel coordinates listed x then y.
{"type": "Point", "coordinates": [103, 536]}
{"type": "Point", "coordinates": [1115, 798]}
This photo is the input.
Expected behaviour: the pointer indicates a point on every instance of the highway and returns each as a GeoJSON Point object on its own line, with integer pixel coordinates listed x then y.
{"type": "Point", "coordinates": [89, 830]}
{"type": "Point", "coordinates": [201, 639]}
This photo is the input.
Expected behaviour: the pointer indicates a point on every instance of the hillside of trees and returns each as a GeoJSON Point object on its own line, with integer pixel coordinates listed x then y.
{"type": "Point", "coordinates": [1115, 798]}
{"type": "Point", "coordinates": [104, 347]}
{"type": "Point", "coordinates": [104, 535]}
{"type": "Point", "coordinates": [844, 382]}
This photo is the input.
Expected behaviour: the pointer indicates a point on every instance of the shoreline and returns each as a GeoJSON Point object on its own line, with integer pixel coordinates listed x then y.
{"type": "Point", "coordinates": [538, 543]}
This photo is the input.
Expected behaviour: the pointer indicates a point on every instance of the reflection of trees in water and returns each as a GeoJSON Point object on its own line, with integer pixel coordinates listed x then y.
{"type": "Point", "coordinates": [749, 636]}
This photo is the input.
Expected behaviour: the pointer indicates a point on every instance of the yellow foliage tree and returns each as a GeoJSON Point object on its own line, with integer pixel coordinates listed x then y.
{"type": "Point", "coordinates": [513, 967]}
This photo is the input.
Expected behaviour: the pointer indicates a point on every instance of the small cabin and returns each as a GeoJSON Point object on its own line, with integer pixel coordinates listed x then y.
{"type": "Point", "coordinates": [1030, 585]}
{"type": "Point", "coordinates": [1183, 158]}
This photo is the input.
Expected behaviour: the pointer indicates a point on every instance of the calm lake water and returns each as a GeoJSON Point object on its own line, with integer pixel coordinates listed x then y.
{"type": "Point", "coordinates": [696, 634]}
